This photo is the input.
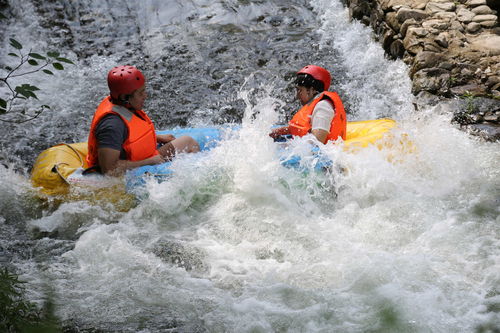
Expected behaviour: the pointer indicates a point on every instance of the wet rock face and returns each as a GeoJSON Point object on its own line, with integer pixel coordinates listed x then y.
{"type": "Point", "coordinates": [452, 47]}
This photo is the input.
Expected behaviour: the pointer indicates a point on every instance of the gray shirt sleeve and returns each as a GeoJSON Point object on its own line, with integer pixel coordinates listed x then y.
{"type": "Point", "coordinates": [111, 132]}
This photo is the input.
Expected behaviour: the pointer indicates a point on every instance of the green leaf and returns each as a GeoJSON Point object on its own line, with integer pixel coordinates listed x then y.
{"type": "Point", "coordinates": [58, 66]}
{"type": "Point", "coordinates": [3, 103]}
{"type": "Point", "coordinates": [23, 92]}
{"type": "Point", "coordinates": [53, 54]}
{"type": "Point", "coordinates": [33, 62]}
{"type": "Point", "coordinates": [46, 71]}
{"type": "Point", "coordinates": [37, 56]}
{"type": "Point", "coordinates": [26, 92]}
{"type": "Point", "coordinates": [2, 111]}
{"type": "Point", "coordinates": [65, 60]}
{"type": "Point", "coordinates": [29, 87]}
{"type": "Point", "coordinates": [2, 17]}
{"type": "Point", "coordinates": [15, 44]}
{"type": "Point", "coordinates": [13, 55]}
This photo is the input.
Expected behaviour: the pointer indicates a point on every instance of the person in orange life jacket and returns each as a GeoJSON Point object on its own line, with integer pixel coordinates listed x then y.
{"type": "Point", "coordinates": [122, 136]}
{"type": "Point", "coordinates": [322, 112]}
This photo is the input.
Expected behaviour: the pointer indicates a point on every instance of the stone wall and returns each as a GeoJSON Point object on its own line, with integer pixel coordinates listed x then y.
{"type": "Point", "coordinates": [452, 48]}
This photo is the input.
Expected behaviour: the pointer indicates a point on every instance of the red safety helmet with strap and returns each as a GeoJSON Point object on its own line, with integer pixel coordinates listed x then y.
{"type": "Point", "coordinates": [318, 73]}
{"type": "Point", "coordinates": [124, 80]}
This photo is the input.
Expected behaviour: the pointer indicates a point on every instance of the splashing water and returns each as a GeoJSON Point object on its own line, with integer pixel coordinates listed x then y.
{"type": "Point", "coordinates": [385, 241]}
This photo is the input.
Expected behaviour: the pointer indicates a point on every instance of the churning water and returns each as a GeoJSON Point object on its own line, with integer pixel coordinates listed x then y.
{"type": "Point", "coordinates": [388, 241]}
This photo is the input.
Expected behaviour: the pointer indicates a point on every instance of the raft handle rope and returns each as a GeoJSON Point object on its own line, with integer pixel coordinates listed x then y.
{"type": "Point", "coordinates": [56, 167]}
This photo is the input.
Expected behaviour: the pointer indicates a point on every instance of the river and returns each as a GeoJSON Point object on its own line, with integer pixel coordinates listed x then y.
{"type": "Point", "coordinates": [390, 241]}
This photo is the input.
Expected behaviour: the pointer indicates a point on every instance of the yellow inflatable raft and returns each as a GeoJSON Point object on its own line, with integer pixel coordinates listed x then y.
{"type": "Point", "coordinates": [54, 165]}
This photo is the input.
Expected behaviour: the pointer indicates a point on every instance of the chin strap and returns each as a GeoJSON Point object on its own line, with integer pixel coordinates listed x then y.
{"type": "Point", "coordinates": [124, 102]}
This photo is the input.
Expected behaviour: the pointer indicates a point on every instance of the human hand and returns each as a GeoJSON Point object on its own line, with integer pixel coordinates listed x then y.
{"type": "Point", "coordinates": [277, 132]}
{"type": "Point", "coordinates": [157, 159]}
{"type": "Point", "coordinates": [165, 138]}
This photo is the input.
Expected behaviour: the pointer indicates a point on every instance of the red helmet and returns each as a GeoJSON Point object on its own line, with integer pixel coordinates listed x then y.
{"type": "Point", "coordinates": [124, 80]}
{"type": "Point", "coordinates": [318, 73]}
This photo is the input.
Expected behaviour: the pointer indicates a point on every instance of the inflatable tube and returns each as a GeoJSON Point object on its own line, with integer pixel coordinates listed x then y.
{"type": "Point", "coordinates": [207, 138]}
{"type": "Point", "coordinates": [54, 165]}
{"type": "Point", "coordinates": [61, 166]}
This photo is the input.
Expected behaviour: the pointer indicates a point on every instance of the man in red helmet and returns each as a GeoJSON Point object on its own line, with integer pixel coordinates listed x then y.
{"type": "Point", "coordinates": [121, 135]}
{"type": "Point", "coordinates": [322, 112]}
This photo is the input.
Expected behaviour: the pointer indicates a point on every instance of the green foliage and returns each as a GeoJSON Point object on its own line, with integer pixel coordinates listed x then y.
{"type": "Point", "coordinates": [15, 44]}
{"type": "Point", "coordinates": [469, 97]}
{"type": "Point", "coordinates": [12, 108]}
{"type": "Point", "coordinates": [19, 315]}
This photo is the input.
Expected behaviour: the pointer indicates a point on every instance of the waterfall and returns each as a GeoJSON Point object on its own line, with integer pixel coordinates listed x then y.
{"type": "Point", "coordinates": [389, 241]}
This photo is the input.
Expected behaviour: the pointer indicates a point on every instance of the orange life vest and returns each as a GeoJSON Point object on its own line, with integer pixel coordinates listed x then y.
{"type": "Point", "coordinates": [300, 124]}
{"type": "Point", "coordinates": [141, 141]}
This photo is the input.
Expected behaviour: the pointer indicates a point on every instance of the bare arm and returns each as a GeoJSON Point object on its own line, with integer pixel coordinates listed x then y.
{"type": "Point", "coordinates": [111, 165]}
{"type": "Point", "coordinates": [320, 134]}
{"type": "Point", "coordinates": [279, 131]}
{"type": "Point", "coordinates": [164, 138]}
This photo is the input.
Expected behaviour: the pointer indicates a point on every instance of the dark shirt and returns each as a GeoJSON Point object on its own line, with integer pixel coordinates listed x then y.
{"type": "Point", "coordinates": [111, 132]}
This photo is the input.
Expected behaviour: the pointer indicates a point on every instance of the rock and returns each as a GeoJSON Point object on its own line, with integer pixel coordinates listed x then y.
{"type": "Point", "coordinates": [482, 10]}
{"type": "Point", "coordinates": [387, 39]}
{"type": "Point", "coordinates": [405, 13]}
{"type": "Point", "coordinates": [465, 15]}
{"type": "Point", "coordinates": [492, 116]}
{"type": "Point", "coordinates": [419, 32]}
{"type": "Point", "coordinates": [481, 18]}
{"type": "Point", "coordinates": [413, 45]}
{"type": "Point", "coordinates": [474, 3]}
{"type": "Point", "coordinates": [488, 24]}
{"type": "Point", "coordinates": [465, 114]}
{"type": "Point", "coordinates": [397, 49]}
{"type": "Point", "coordinates": [433, 80]}
{"type": "Point", "coordinates": [387, 5]}
{"type": "Point", "coordinates": [446, 65]}
{"type": "Point", "coordinates": [486, 43]}
{"type": "Point", "coordinates": [462, 74]}
{"type": "Point", "coordinates": [406, 25]}
{"type": "Point", "coordinates": [487, 131]}
{"type": "Point", "coordinates": [426, 59]}
{"type": "Point", "coordinates": [445, 16]}
{"type": "Point", "coordinates": [359, 9]}
{"type": "Point", "coordinates": [392, 21]}
{"type": "Point", "coordinates": [471, 88]}
{"type": "Point", "coordinates": [493, 81]}
{"type": "Point", "coordinates": [473, 27]}
{"type": "Point", "coordinates": [452, 48]}
{"type": "Point", "coordinates": [442, 39]}
{"type": "Point", "coordinates": [424, 98]}
{"type": "Point", "coordinates": [413, 42]}
{"type": "Point", "coordinates": [483, 105]}
{"type": "Point", "coordinates": [434, 7]}
{"type": "Point", "coordinates": [432, 47]}
{"type": "Point", "coordinates": [456, 26]}
{"type": "Point", "coordinates": [436, 24]}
